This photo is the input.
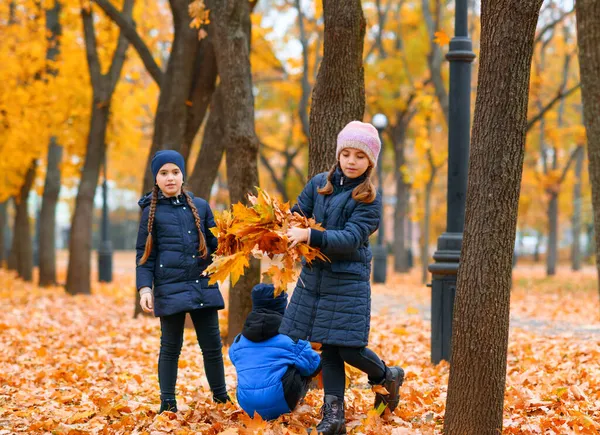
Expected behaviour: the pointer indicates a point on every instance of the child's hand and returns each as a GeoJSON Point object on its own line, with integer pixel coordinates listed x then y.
{"type": "Point", "coordinates": [146, 302]}
{"type": "Point", "coordinates": [297, 235]}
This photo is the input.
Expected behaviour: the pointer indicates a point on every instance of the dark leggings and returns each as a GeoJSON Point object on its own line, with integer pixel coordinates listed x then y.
{"type": "Point", "coordinates": [206, 324]}
{"type": "Point", "coordinates": [334, 375]}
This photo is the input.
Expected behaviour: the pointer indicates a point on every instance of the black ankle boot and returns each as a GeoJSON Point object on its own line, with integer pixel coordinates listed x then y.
{"type": "Point", "coordinates": [168, 405]}
{"type": "Point", "coordinates": [333, 422]}
{"type": "Point", "coordinates": [222, 399]}
{"type": "Point", "coordinates": [394, 377]}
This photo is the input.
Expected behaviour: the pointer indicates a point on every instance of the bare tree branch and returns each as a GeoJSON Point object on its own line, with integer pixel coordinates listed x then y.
{"type": "Point", "coordinates": [119, 55]}
{"type": "Point", "coordinates": [128, 29]}
{"type": "Point", "coordinates": [572, 157]}
{"type": "Point", "coordinates": [303, 106]}
{"type": "Point", "coordinates": [91, 48]}
{"type": "Point", "coordinates": [551, 25]}
{"type": "Point", "coordinates": [560, 95]}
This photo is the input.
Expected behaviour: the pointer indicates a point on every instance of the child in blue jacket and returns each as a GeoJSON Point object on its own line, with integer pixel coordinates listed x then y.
{"type": "Point", "coordinates": [273, 370]}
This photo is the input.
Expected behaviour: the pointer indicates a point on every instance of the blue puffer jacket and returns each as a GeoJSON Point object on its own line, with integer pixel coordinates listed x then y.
{"type": "Point", "coordinates": [331, 303]}
{"type": "Point", "coordinates": [174, 266]}
{"type": "Point", "coordinates": [262, 357]}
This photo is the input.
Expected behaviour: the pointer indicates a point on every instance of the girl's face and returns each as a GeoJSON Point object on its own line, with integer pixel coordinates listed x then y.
{"type": "Point", "coordinates": [353, 162]}
{"type": "Point", "coordinates": [170, 179]}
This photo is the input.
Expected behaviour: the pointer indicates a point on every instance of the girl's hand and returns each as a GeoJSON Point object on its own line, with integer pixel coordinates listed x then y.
{"type": "Point", "coordinates": [297, 235]}
{"type": "Point", "coordinates": [146, 302]}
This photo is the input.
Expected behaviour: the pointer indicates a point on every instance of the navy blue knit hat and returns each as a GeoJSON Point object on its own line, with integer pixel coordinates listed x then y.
{"type": "Point", "coordinates": [262, 297]}
{"type": "Point", "coordinates": [167, 156]}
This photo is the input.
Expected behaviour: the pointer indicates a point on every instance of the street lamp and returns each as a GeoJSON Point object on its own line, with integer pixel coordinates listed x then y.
{"type": "Point", "coordinates": [105, 250]}
{"type": "Point", "coordinates": [447, 255]}
{"type": "Point", "coordinates": [380, 122]}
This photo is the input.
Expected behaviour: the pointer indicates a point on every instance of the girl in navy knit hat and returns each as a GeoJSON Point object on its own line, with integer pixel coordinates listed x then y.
{"type": "Point", "coordinates": [273, 370]}
{"type": "Point", "coordinates": [174, 246]}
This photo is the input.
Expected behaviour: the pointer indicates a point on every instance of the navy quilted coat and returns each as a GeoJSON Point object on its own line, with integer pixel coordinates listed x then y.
{"type": "Point", "coordinates": [331, 303]}
{"type": "Point", "coordinates": [174, 267]}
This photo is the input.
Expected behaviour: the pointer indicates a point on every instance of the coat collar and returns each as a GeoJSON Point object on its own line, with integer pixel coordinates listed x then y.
{"type": "Point", "coordinates": [340, 181]}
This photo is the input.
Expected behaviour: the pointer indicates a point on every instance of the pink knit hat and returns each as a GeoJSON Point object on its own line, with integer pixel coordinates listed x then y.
{"type": "Point", "coordinates": [361, 136]}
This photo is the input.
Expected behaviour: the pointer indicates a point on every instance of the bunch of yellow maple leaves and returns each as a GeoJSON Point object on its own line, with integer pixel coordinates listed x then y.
{"type": "Point", "coordinates": [260, 230]}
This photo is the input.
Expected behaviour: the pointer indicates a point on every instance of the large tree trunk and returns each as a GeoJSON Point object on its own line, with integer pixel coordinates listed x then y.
{"type": "Point", "coordinates": [47, 240]}
{"type": "Point", "coordinates": [3, 219]}
{"type": "Point", "coordinates": [47, 218]}
{"type": "Point", "coordinates": [576, 218]}
{"type": "Point", "coordinates": [22, 247]}
{"type": "Point", "coordinates": [339, 93]}
{"type": "Point", "coordinates": [552, 252]}
{"type": "Point", "coordinates": [190, 78]}
{"type": "Point", "coordinates": [588, 37]}
{"type": "Point", "coordinates": [103, 85]}
{"type": "Point", "coordinates": [481, 311]}
{"type": "Point", "coordinates": [211, 152]}
{"type": "Point", "coordinates": [232, 29]}
{"type": "Point", "coordinates": [426, 226]}
{"type": "Point", "coordinates": [80, 239]}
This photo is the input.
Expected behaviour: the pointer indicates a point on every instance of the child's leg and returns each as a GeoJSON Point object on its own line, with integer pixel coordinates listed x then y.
{"type": "Point", "coordinates": [206, 323]}
{"type": "Point", "coordinates": [366, 361]}
{"type": "Point", "coordinates": [171, 340]}
{"type": "Point", "coordinates": [334, 374]}
{"type": "Point", "coordinates": [295, 387]}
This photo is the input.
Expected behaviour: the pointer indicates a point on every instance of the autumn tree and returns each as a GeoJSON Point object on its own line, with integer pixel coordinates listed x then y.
{"type": "Point", "coordinates": [588, 37]}
{"type": "Point", "coordinates": [103, 87]}
{"type": "Point", "coordinates": [481, 310]}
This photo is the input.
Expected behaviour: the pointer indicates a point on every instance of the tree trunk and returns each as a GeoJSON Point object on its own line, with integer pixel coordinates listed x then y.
{"type": "Point", "coordinates": [212, 150]}
{"type": "Point", "coordinates": [103, 85]}
{"type": "Point", "coordinates": [232, 29]}
{"type": "Point", "coordinates": [22, 247]}
{"type": "Point", "coordinates": [80, 239]}
{"type": "Point", "coordinates": [426, 225]}
{"type": "Point", "coordinates": [3, 219]}
{"type": "Point", "coordinates": [339, 93]}
{"type": "Point", "coordinates": [552, 251]}
{"type": "Point", "coordinates": [47, 218]}
{"type": "Point", "coordinates": [588, 37]}
{"type": "Point", "coordinates": [402, 196]}
{"type": "Point", "coordinates": [47, 240]}
{"type": "Point", "coordinates": [576, 218]}
{"type": "Point", "coordinates": [538, 247]}
{"type": "Point", "coordinates": [481, 311]}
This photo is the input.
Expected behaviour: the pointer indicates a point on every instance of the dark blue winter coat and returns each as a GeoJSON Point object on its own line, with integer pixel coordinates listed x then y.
{"type": "Point", "coordinates": [174, 268]}
{"type": "Point", "coordinates": [331, 303]}
{"type": "Point", "coordinates": [262, 357]}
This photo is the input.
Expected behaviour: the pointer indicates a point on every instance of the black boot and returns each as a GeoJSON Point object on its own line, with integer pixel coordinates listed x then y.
{"type": "Point", "coordinates": [394, 377]}
{"type": "Point", "coordinates": [333, 422]}
{"type": "Point", "coordinates": [222, 399]}
{"type": "Point", "coordinates": [168, 405]}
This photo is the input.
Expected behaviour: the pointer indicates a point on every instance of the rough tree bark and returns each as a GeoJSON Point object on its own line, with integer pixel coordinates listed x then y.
{"type": "Point", "coordinates": [103, 87]}
{"type": "Point", "coordinates": [576, 217]}
{"type": "Point", "coordinates": [481, 310]}
{"type": "Point", "coordinates": [232, 27]}
{"type": "Point", "coordinates": [339, 93]}
{"type": "Point", "coordinates": [588, 37]}
{"type": "Point", "coordinates": [47, 239]}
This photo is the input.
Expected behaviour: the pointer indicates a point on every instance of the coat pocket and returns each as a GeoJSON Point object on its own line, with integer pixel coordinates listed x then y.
{"type": "Point", "coordinates": [350, 270]}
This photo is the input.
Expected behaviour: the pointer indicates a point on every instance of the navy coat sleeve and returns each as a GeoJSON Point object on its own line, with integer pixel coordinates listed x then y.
{"type": "Point", "coordinates": [306, 200]}
{"type": "Point", "coordinates": [363, 222]}
{"type": "Point", "coordinates": [209, 222]}
{"type": "Point", "coordinates": [144, 273]}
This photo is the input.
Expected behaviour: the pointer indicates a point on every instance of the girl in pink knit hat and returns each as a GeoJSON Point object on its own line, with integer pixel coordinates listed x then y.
{"type": "Point", "coordinates": [331, 304]}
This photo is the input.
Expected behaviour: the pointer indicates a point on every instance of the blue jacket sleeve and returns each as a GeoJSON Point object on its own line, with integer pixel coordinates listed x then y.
{"type": "Point", "coordinates": [306, 199]}
{"type": "Point", "coordinates": [209, 222]}
{"type": "Point", "coordinates": [144, 273]}
{"type": "Point", "coordinates": [363, 222]}
{"type": "Point", "coordinates": [307, 360]}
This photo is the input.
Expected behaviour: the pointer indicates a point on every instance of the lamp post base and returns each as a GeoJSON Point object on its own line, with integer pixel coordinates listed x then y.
{"type": "Point", "coordinates": [379, 264]}
{"type": "Point", "coordinates": [105, 254]}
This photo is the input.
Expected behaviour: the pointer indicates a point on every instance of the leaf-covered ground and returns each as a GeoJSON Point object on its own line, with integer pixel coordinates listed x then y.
{"type": "Point", "coordinates": [82, 365]}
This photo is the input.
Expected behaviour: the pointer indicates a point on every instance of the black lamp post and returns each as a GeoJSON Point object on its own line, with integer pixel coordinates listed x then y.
{"type": "Point", "coordinates": [447, 255]}
{"type": "Point", "coordinates": [380, 122]}
{"type": "Point", "coordinates": [105, 250]}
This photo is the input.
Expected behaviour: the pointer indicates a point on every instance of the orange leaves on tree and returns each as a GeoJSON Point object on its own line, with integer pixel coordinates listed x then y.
{"type": "Point", "coordinates": [441, 38]}
{"type": "Point", "coordinates": [260, 230]}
